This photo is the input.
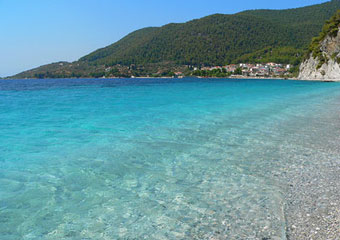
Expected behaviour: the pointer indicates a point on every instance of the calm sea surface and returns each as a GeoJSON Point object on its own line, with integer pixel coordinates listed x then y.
{"type": "Point", "coordinates": [155, 158]}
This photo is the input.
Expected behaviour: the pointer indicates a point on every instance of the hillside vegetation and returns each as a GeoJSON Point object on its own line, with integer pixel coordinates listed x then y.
{"type": "Point", "coordinates": [322, 60]}
{"type": "Point", "coordinates": [331, 28]}
{"type": "Point", "coordinates": [251, 36]}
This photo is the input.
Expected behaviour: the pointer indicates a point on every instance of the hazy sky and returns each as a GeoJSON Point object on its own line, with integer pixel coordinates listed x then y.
{"type": "Point", "coordinates": [37, 32]}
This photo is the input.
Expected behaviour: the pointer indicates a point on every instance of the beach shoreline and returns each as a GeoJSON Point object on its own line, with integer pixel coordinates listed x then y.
{"type": "Point", "coordinates": [312, 208]}
{"type": "Point", "coordinates": [312, 196]}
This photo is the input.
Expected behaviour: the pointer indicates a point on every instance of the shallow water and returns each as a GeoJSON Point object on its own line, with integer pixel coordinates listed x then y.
{"type": "Point", "coordinates": [155, 158]}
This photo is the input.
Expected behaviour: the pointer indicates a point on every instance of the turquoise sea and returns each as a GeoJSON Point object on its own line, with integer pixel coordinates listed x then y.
{"type": "Point", "coordinates": [156, 158]}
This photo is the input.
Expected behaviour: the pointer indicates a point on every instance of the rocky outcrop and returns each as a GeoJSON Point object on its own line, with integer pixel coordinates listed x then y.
{"type": "Point", "coordinates": [327, 68]}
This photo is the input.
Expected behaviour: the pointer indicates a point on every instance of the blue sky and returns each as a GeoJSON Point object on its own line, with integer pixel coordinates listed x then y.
{"type": "Point", "coordinates": [37, 32]}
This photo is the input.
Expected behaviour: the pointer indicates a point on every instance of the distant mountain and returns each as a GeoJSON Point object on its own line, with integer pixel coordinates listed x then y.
{"type": "Point", "coordinates": [249, 36]}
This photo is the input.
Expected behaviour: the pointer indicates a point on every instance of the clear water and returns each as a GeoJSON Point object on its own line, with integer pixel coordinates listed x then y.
{"type": "Point", "coordinates": [154, 159]}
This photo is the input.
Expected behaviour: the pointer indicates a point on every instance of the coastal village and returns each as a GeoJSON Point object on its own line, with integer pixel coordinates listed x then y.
{"type": "Point", "coordinates": [249, 70]}
{"type": "Point", "coordinates": [259, 70]}
{"type": "Point", "coordinates": [256, 70]}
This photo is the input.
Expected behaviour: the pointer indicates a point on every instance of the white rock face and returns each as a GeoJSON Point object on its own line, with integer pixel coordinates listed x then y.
{"type": "Point", "coordinates": [329, 71]}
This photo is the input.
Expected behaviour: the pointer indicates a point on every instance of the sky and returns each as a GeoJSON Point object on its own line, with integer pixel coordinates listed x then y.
{"type": "Point", "coordinates": [38, 32]}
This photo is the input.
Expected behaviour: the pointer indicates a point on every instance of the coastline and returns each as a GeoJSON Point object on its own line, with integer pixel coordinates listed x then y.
{"type": "Point", "coordinates": [231, 77]}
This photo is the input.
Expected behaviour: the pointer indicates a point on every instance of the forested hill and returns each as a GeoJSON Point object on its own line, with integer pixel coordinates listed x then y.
{"type": "Point", "coordinates": [249, 36]}
{"type": "Point", "coordinates": [219, 39]}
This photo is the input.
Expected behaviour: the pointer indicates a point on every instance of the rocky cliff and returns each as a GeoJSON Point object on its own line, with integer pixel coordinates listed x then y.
{"type": "Point", "coordinates": [323, 62]}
